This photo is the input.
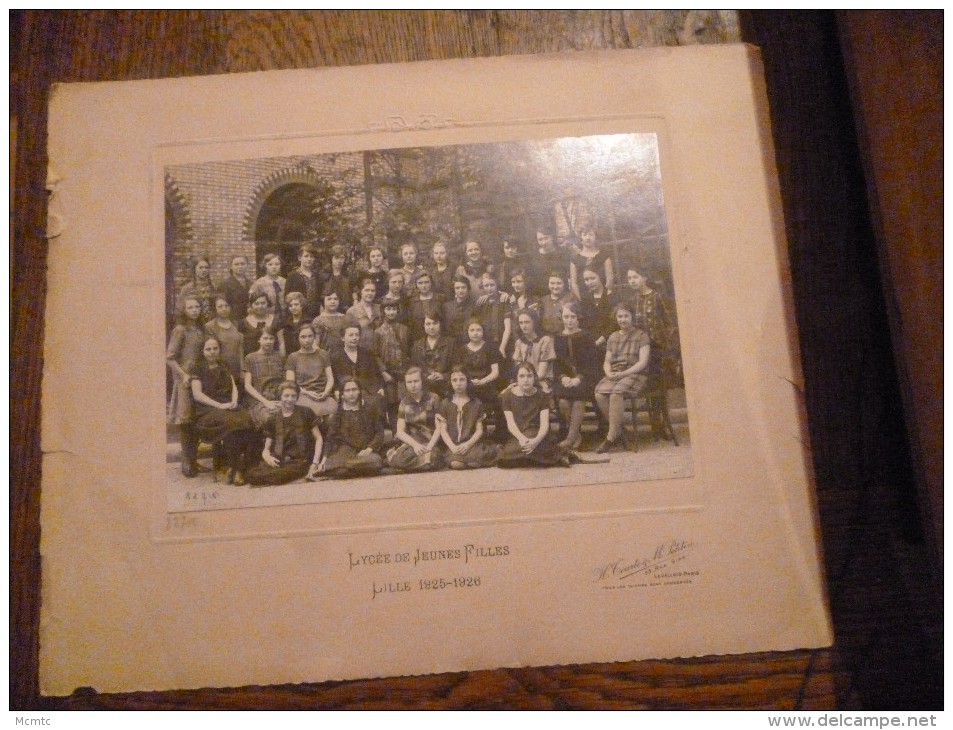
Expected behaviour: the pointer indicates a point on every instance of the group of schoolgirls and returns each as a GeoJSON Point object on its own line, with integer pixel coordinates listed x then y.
{"type": "Point", "coordinates": [286, 385]}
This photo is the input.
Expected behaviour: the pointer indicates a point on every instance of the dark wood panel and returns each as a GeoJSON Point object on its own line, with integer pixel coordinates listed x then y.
{"type": "Point", "coordinates": [887, 615]}
{"type": "Point", "coordinates": [900, 125]}
{"type": "Point", "coordinates": [265, 39]}
{"type": "Point", "coordinates": [781, 681]}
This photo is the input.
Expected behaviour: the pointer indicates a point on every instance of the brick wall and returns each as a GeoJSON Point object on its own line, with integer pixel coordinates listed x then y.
{"type": "Point", "coordinates": [222, 199]}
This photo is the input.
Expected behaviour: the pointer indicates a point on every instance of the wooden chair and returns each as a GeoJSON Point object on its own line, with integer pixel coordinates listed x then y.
{"type": "Point", "coordinates": [653, 401]}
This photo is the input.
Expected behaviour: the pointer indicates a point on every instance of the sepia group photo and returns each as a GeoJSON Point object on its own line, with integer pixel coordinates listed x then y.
{"type": "Point", "coordinates": [421, 321]}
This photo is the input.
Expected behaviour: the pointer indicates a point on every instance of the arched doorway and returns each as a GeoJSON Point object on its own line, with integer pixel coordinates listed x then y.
{"type": "Point", "coordinates": [297, 205]}
{"type": "Point", "coordinates": [285, 221]}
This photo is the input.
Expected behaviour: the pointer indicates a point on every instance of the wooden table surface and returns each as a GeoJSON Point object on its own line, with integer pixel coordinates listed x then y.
{"type": "Point", "coordinates": [887, 617]}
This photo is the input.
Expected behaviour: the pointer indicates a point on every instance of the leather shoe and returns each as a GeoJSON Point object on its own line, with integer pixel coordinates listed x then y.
{"type": "Point", "coordinates": [606, 446]}
{"type": "Point", "coordinates": [239, 479]}
{"type": "Point", "coordinates": [188, 470]}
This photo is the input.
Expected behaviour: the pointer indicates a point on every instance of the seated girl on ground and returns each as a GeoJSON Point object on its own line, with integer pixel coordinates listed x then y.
{"type": "Point", "coordinates": [293, 443]}
{"type": "Point", "coordinates": [416, 427]}
{"type": "Point", "coordinates": [355, 435]}
{"type": "Point", "coordinates": [526, 409]}
{"type": "Point", "coordinates": [460, 422]}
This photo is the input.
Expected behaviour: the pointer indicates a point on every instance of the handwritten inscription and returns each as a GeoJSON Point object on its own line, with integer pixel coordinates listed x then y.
{"type": "Point", "coordinates": [203, 497]}
{"type": "Point", "coordinates": [180, 522]}
{"type": "Point", "coordinates": [665, 565]}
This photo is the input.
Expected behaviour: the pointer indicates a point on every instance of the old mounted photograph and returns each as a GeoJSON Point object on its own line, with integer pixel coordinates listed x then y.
{"type": "Point", "coordinates": [416, 321]}
{"type": "Point", "coordinates": [531, 316]}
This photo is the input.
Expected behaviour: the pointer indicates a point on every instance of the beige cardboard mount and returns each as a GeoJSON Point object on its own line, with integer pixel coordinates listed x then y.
{"type": "Point", "coordinates": [722, 561]}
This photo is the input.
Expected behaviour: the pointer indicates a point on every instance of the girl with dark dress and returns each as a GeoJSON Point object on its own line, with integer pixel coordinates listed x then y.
{"type": "Point", "coordinates": [259, 317]}
{"type": "Point", "coordinates": [292, 321]}
{"type": "Point", "coordinates": [460, 419]}
{"type": "Point", "coordinates": [377, 269]}
{"type": "Point", "coordinates": [293, 443]}
{"type": "Point", "coordinates": [590, 256]}
{"type": "Point", "coordinates": [458, 311]}
{"type": "Point", "coordinates": [577, 370]}
{"type": "Point", "coordinates": [651, 315]}
{"type": "Point", "coordinates": [433, 353]}
{"type": "Point", "coordinates": [425, 302]}
{"type": "Point", "coordinates": [495, 313]}
{"type": "Point", "coordinates": [353, 361]}
{"type": "Point", "coordinates": [218, 418]}
{"type": "Point", "coordinates": [441, 270]}
{"type": "Point", "coordinates": [236, 287]}
{"type": "Point", "coordinates": [526, 409]}
{"type": "Point", "coordinates": [355, 435]}
{"type": "Point", "coordinates": [598, 307]}
{"type": "Point", "coordinates": [183, 352]}
{"type": "Point", "coordinates": [306, 281]}
{"type": "Point", "coordinates": [481, 363]}
{"type": "Point", "coordinates": [338, 279]}
{"type": "Point", "coordinates": [547, 259]}
{"type": "Point", "coordinates": [416, 427]}
{"type": "Point", "coordinates": [512, 261]}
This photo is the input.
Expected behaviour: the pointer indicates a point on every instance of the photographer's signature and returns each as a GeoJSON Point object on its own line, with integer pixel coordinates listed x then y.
{"type": "Point", "coordinates": [665, 556]}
